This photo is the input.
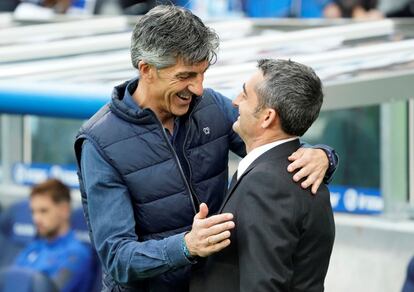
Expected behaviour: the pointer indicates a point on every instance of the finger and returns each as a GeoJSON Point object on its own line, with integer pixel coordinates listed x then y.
{"type": "Point", "coordinates": [302, 173]}
{"type": "Point", "coordinates": [295, 165]}
{"type": "Point", "coordinates": [298, 163]}
{"type": "Point", "coordinates": [219, 246]}
{"type": "Point", "coordinates": [219, 228]}
{"type": "Point", "coordinates": [310, 180]}
{"type": "Point", "coordinates": [214, 239]}
{"type": "Point", "coordinates": [216, 219]}
{"type": "Point", "coordinates": [316, 185]}
{"type": "Point", "coordinates": [203, 211]}
{"type": "Point", "coordinates": [297, 154]}
{"type": "Point", "coordinates": [293, 156]}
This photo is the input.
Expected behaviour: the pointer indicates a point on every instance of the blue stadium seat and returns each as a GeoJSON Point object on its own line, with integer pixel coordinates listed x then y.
{"type": "Point", "coordinates": [16, 231]}
{"type": "Point", "coordinates": [80, 227]}
{"type": "Point", "coordinates": [78, 224]}
{"type": "Point", "coordinates": [24, 280]}
{"type": "Point", "coordinates": [409, 281]}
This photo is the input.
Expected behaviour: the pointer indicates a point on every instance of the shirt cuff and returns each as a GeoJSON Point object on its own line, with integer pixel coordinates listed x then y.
{"type": "Point", "coordinates": [175, 252]}
{"type": "Point", "coordinates": [333, 161]}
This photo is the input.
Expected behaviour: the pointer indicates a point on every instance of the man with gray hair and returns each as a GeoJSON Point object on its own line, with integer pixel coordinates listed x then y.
{"type": "Point", "coordinates": [153, 161]}
{"type": "Point", "coordinates": [284, 235]}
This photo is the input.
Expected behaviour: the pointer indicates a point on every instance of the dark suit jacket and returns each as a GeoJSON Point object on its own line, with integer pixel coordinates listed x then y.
{"type": "Point", "coordinates": [283, 236]}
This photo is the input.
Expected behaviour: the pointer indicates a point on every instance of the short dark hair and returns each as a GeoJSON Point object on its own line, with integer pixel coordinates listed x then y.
{"type": "Point", "coordinates": [293, 90]}
{"type": "Point", "coordinates": [54, 188]}
{"type": "Point", "coordinates": [168, 33]}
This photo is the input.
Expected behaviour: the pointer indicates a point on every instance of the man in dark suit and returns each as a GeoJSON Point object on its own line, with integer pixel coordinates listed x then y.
{"type": "Point", "coordinates": [284, 235]}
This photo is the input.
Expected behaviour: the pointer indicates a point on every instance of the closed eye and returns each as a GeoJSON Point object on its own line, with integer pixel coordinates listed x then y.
{"type": "Point", "coordinates": [184, 76]}
{"type": "Point", "coordinates": [244, 93]}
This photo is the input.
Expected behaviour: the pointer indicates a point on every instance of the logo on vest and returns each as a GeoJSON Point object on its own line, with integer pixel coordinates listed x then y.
{"type": "Point", "coordinates": [206, 130]}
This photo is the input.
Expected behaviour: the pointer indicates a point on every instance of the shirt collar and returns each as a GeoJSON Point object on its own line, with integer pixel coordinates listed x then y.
{"type": "Point", "coordinates": [60, 239]}
{"type": "Point", "coordinates": [256, 152]}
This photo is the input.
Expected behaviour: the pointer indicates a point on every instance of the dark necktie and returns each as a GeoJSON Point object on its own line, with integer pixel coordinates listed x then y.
{"type": "Point", "coordinates": [233, 181]}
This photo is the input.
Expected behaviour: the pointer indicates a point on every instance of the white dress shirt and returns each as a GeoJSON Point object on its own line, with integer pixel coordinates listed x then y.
{"type": "Point", "coordinates": [256, 152]}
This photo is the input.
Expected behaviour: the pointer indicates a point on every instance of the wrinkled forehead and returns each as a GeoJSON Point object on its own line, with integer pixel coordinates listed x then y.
{"type": "Point", "coordinates": [182, 66]}
{"type": "Point", "coordinates": [187, 62]}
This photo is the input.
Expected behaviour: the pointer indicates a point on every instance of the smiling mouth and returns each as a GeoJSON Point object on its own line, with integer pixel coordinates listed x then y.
{"type": "Point", "coordinates": [185, 95]}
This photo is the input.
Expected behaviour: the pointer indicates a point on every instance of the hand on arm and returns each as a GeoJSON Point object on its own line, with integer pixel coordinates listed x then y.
{"type": "Point", "coordinates": [312, 164]}
{"type": "Point", "coordinates": [209, 235]}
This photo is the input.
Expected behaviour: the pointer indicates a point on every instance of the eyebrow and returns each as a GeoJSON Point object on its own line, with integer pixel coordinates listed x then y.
{"type": "Point", "coordinates": [244, 89]}
{"type": "Point", "coordinates": [186, 73]}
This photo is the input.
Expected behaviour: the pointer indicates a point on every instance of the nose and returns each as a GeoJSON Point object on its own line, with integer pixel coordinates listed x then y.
{"type": "Point", "coordinates": [196, 85]}
{"type": "Point", "coordinates": [36, 219]}
{"type": "Point", "coordinates": [236, 101]}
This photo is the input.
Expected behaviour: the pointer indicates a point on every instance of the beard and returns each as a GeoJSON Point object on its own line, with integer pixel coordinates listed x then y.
{"type": "Point", "coordinates": [48, 234]}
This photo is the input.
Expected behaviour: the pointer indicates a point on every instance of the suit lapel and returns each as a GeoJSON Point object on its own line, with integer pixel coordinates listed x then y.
{"type": "Point", "coordinates": [284, 150]}
{"type": "Point", "coordinates": [234, 183]}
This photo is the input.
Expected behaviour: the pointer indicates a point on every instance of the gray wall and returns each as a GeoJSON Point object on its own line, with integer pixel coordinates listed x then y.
{"type": "Point", "coordinates": [370, 254]}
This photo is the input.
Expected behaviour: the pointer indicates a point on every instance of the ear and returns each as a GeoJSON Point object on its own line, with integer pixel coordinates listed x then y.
{"type": "Point", "coordinates": [270, 117]}
{"type": "Point", "coordinates": [146, 71]}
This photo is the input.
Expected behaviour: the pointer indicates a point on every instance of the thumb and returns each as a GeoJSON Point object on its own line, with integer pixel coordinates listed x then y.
{"type": "Point", "coordinates": [203, 211]}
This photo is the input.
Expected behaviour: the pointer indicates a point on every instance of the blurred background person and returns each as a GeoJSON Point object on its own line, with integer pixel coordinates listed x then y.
{"type": "Point", "coordinates": [357, 9]}
{"type": "Point", "coordinates": [139, 7]}
{"type": "Point", "coordinates": [56, 251]}
{"type": "Point", "coordinates": [48, 8]}
{"type": "Point", "coordinates": [135, 7]}
{"type": "Point", "coordinates": [286, 8]}
{"type": "Point", "coordinates": [58, 6]}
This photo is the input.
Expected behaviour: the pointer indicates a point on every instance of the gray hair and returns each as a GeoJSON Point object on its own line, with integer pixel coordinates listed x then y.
{"type": "Point", "coordinates": [293, 90]}
{"type": "Point", "coordinates": [168, 33]}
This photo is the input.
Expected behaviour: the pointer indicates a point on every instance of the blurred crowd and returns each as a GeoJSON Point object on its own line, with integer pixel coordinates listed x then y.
{"type": "Point", "coordinates": [358, 9]}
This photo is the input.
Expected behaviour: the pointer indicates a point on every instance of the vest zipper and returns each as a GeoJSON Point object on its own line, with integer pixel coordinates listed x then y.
{"type": "Point", "coordinates": [189, 189]}
{"type": "Point", "coordinates": [188, 162]}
